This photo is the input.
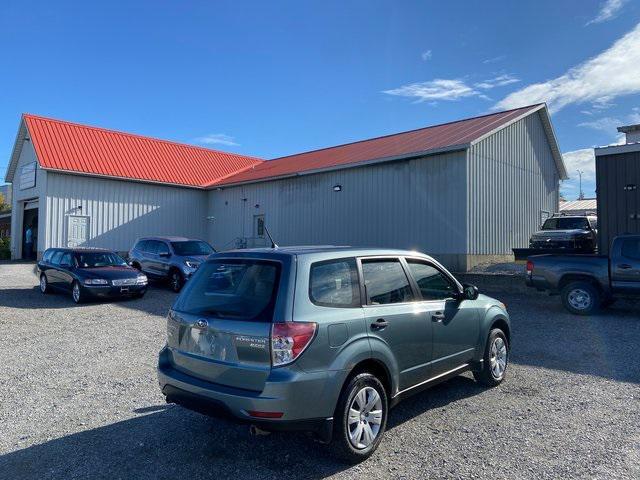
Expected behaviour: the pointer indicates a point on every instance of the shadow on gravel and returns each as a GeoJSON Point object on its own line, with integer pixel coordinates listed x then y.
{"type": "Point", "coordinates": [547, 336]}
{"type": "Point", "coordinates": [171, 442]}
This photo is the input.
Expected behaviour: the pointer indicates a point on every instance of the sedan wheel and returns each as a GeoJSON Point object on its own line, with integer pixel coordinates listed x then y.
{"type": "Point", "coordinates": [76, 293]}
{"type": "Point", "coordinates": [44, 286]}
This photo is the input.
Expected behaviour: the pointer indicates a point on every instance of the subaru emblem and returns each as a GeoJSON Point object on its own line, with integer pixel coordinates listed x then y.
{"type": "Point", "coordinates": [202, 323]}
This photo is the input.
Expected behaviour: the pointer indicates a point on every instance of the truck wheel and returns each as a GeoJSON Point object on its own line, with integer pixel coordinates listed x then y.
{"type": "Point", "coordinates": [495, 360]}
{"type": "Point", "coordinates": [581, 298]}
{"type": "Point", "coordinates": [360, 419]}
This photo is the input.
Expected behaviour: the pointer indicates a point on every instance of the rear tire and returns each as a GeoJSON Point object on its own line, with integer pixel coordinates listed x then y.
{"type": "Point", "coordinates": [176, 280]}
{"type": "Point", "coordinates": [495, 360]}
{"type": "Point", "coordinates": [44, 284]}
{"type": "Point", "coordinates": [360, 418]}
{"type": "Point", "coordinates": [581, 298]}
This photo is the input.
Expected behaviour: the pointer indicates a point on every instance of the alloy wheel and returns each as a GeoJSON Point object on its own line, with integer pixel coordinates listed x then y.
{"type": "Point", "coordinates": [364, 418]}
{"type": "Point", "coordinates": [498, 358]}
{"type": "Point", "coordinates": [76, 292]}
{"type": "Point", "coordinates": [43, 283]}
{"type": "Point", "coordinates": [579, 299]}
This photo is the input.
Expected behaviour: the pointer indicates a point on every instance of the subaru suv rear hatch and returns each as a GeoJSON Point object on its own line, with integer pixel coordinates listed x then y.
{"type": "Point", "coordinates": [218, 330]}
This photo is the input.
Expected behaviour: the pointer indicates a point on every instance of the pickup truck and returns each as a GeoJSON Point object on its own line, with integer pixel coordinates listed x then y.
{"type": "Point", "coordinates": [588, 282]}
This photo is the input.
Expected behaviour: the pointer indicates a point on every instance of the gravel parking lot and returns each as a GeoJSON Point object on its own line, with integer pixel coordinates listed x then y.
{"type": "Point", "coordinates": [79, 399]}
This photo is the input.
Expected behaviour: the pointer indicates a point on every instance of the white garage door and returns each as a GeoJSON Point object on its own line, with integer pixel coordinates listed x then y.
{"type": "Point", "coordinates": [78, 231]}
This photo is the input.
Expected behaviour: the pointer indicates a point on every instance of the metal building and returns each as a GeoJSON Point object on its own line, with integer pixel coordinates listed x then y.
{"type": "Point", "coordinates": [618, 188]}
{"type": "Point", "coordinates": [466, 191]}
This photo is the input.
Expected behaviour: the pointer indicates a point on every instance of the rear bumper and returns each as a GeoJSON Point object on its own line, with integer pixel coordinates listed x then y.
{"type": "Point", "coordinates": [115, 292]}
{"type": "Point", "coordinates": [306, 399]}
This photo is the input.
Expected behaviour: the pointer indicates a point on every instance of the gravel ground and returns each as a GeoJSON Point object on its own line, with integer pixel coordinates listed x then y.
{"type": "Point", "coordinates": [79, 399]}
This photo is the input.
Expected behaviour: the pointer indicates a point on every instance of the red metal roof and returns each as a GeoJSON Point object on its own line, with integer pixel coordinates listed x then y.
{"type": "Point", "coordinates": [445, 136]}
{"type": "Point", "coordinates": [72, 147]}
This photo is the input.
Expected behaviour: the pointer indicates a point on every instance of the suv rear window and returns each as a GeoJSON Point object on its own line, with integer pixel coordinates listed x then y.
{"type": "Point", "coordinates": [334, 283]}
{"type": "Point", "coordinates": [242, 289]}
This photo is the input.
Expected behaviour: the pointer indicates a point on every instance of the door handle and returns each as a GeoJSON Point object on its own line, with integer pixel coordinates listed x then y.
{"type": "Point", "coordinates": [624, 266]}
{"type": "Point", "coordinates": [379, 324]}
{"type": "Point", "coordinates": [437, 317]}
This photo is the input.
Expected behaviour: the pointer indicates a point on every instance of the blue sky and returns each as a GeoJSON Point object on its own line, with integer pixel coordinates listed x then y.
{"type": "Point", "coordinates": [274, 78]}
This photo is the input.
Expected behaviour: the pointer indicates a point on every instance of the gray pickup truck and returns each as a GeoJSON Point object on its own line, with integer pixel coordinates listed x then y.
{"type": "Point", "coordinates": [589, 282]}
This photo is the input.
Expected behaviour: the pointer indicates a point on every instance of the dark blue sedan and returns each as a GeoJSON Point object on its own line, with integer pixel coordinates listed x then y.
{"type": "Point", "coordinates": [89, 273]}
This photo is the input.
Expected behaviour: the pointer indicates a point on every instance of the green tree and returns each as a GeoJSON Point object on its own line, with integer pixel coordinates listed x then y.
{"type": "Point", "coordinates": [3, 206]}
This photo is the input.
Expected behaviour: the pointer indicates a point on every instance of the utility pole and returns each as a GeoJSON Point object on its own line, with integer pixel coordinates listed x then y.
{"type": "Point", "coordinates": [581, 194]}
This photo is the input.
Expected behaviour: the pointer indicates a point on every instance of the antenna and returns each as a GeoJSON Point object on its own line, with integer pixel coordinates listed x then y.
{"type": "Point", "coordinates": [273, 244]}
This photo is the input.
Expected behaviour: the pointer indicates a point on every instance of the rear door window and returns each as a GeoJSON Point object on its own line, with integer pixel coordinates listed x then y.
{"type": "Point", "coordinates": [47, 256]}
{"type": "Point", "coordinates": [243, 289]}
{"type": "Point", "coordinates": [55, 258]}
{"type": "Point", "coordinates": [386, 282]}
{"type": "Point", "coordinates": [335, 283]}
{"type": "Point", "coordinates": [433, 284]}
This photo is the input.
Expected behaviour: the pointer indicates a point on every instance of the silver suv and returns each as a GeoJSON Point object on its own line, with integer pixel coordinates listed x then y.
{"type": "Point", "coordinates": [169, 258]}
{"type": "Point", "coordinates": [325, 339]}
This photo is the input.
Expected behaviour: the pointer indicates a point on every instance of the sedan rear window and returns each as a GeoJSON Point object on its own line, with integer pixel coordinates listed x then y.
{"type": "Point", "coordinates": [235, 289]}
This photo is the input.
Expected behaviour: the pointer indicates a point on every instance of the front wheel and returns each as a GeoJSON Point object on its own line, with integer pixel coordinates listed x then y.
{"type": "Point", "coordinates": [44, 284]}
{"type": "Point", "coordinates": [76, 293]}
{"type": "Point", "coordinates": [361, 418]}
{"type": "Point", "coordinates": [581, 298]}
{"type": "Point", "coordinates": [495, 360]}
{"type": "Point", "coordinates": [176, 281]}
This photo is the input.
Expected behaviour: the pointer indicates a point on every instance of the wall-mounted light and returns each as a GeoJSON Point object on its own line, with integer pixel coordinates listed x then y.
{"type": "Point", "coordinates": [337, 188]}
{"type": "Point", "coordinates": [79, 207]}
{"type": "Point", "coordinates": [257, 205]}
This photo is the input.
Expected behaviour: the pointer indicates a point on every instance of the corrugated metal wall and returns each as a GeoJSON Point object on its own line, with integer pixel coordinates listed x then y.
{"type": "Point", "coordinates": [120, 211]}
{"type": "Point", "coordinates": [415, 204]}
{"type": "Point", "coordinates": [512, 178]}
{"type": "Point", "coordinates": [618, 200]}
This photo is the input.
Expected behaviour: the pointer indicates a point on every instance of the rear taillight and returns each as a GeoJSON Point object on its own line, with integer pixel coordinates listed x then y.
{"type": "Point", "coordinates": [289, 340]}
{"type": "Point", "coordinates": [529, 267]}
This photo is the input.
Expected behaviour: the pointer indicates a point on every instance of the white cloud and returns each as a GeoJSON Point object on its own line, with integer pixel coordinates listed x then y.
{"type": "Point", "coordinates": [449, 89]}
{"type": "Point", "coordinates": [612, 73]}
{"type": "Point", "coordinates": [584, 160]}
{"type": "Point", "coordinates": [609, 10]}
{"type": "Point", "coordinates": [497, 59]}
{"type": "Point", "coordinates": [499, 81]}
{"type": "Point", "coordinates": [217, 139]}
{"type": "Point", "coordinates": [426, 55]}
{"type": "Point", "coordinates": [438, 89]}
{"type": "Point", "coordinates": [605, 124]}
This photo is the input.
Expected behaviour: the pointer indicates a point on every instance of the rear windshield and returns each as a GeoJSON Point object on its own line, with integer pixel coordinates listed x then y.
{"type": "Point", "coordinates": [566, 224]}
{"type": "Point", "coordinates": [192, 247]}
{"type": "Point", "coordinates": [237, 289]}
{"type": "Point", "coordinates": [99, 259]}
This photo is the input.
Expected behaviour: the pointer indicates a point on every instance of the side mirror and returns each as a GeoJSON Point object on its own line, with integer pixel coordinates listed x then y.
{"type": "Point", "coordinates": [469, 292]}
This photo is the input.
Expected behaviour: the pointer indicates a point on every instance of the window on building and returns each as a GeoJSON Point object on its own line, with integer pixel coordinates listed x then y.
{"type": "Point", "coordinates": [335, 283]}
{"type": "Point", "coordinates": [385, 282]}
